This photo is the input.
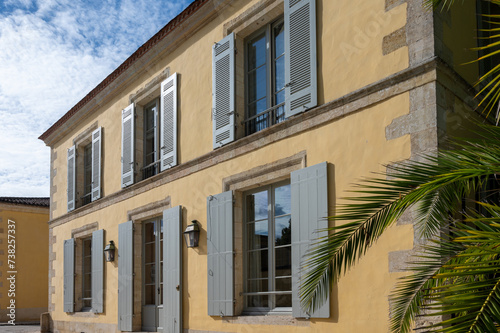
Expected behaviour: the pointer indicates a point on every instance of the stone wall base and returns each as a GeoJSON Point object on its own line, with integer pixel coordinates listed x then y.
{"type": "Point", "coordinates": [74, 326]}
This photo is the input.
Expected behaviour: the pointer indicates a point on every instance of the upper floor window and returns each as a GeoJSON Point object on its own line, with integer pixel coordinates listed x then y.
{"type": "Point", "coordinates": [274, 75]}
{"type": "Point", "coordinates": [149, 132]}
{"type": "Point", "coordinates": [265, 78]}
{"type": "Point", "coordinates": [84, 169]}
{"type": "Point", "coordinates": [151, 140]}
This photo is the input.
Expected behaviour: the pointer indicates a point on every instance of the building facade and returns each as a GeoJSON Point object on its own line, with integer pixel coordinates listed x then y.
{"type": "Point", "coordinates": [24, 259]}
{"type": "Point", "coordinates": [252, 117]}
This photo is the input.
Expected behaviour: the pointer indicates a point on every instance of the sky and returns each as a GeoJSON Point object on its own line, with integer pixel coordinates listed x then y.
{"type": "Point", "coordinates": [52, 53]}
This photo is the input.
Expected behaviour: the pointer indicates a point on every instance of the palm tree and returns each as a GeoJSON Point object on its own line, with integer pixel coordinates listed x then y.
{"type": "Point", "coordinates": [456, 275]}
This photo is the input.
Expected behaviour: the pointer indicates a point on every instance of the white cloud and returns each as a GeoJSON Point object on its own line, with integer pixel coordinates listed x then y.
{"type": "Point", "coordinates": [53, 53]}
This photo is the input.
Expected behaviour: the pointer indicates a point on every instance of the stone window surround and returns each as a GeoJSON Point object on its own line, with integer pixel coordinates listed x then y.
{"type": "Point", "coordinates": [138, 216]}
{"type": "Point", "coordinates": [239, 183]}
{"type": "Point", "coordinates": [79, 234]}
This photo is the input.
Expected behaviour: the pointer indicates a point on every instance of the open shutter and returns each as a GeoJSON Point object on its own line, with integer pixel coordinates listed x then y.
{"type": "Point", "coordinates": [223, 91]}
{"type": "Point", "coordinates": [220, 254]}
{"type": "Point", "coordinates": [300, 56]}
{"type": "Point", "coordinates": [128, 146]}
{"type": "Point", "coordinates": [309, 212]}
{"type": "Point", "coordinates": [172, 270]}
{"type": "Point", "coordinates": [98, 271]}
{"type": "Point", "coordinates": [125, 275]}
{"type": "Point", "coordinates": [168, 123]}
{"type": "Point", "coordinates": [96, 163]}
{"type": "Point", "coordinates": [69, 275]}
{"type": "Point", "coordinates": [71, 178]}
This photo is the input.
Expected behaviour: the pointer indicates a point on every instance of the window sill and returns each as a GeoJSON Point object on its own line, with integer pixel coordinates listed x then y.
{"type": "Point", "coordinates": [85, 314]}
{"type": "Point", "coordinates": [270, 319]}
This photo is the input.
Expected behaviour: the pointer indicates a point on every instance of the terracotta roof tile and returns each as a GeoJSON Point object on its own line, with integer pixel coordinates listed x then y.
{"type": "Point", "coordinates": [43, 202]}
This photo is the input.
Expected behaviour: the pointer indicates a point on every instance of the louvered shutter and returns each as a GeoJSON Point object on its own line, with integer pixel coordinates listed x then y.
{"type": "Point", "coordinates": [300, 56]}
{"type": "Point", "coordinates": [128, 146]}
{"type": "Point", "coordinates": [172, 270]}
{"type": "Point", "coordinates": [98, 271]}
{"type": "Point", "coordinates": [220, 254]}
{"type": "Point", "coordinates": [71, 178]}
{"type": "Point", "coordinates": [125, 275]}
{"type": "Point", "coordinates": [309, 212]}
{"type": "Point", "coordinates": [168, 123]}
{"type": "Point", "coordinates": [96, 163]}
{"type": "Point", "coordinates": [223, 91]}
{"type": "Point", "coordinates": [69, 275]}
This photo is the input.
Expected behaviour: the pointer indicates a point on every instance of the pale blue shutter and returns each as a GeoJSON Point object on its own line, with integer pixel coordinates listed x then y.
{"type": "Point", "coordinates": [168, 123]}
{"type": "Point", "coordinates": [128, 145]}
{"type": "Point", "coordinates": [96, 163]}
{"type": "Point", "coordinates": [69, 275]}
{"type": "Point", "coordinates": [220, 254]}
{"type": "Point", "coordinates": [309, 212]}
{"type": "Point", "coordinates": [172, 270]}
{"type": "Point", "coordinates": [300, 56]}
{"type": "Point", "coordinates": [223, 91]}
{"type": "Point", "coordinates": [125, 275]}
{"type": "Point", "coordinates": [71, 178]}
{"type": "Point", "coordinates": [98, 271]}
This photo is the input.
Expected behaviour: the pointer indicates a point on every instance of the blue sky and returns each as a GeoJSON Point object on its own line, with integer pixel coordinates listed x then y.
{"type": "Point", "coordinates": [52, 53]}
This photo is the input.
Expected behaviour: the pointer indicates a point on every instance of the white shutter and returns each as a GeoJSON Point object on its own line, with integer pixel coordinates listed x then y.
{"type": "Point", "coordinates": [168, 123]}
{"type": "Point", "coordinates": [71, 178]}
{"type": "Point", "coordinates": [96, 163]}
{"type": "Point", "coordinates": [309, 211]}
{"type": "Point", "coordinates": [69, 275]}
{"type": "Point", "coordinates": [128, 146]}
{"type": "Point", "coordinates": [97, 262]}
{"type": "Point", "coordinates": [125, 276]}
{"type": "Point", "coordinates": [223, 91]}
{"type": "Point", "coordinates": [300, 56]}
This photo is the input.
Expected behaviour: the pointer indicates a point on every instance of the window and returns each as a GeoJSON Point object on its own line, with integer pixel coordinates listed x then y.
{"type": "Point", "coordinates": [86, 294]}
{"type": "Point", "coordinates": [151, 141]}
{"type": "Point", "coordinates": [87, 175]}
{"type": "Point", "coordinates": [268, 247]}
{"type": "Point", "coordinates": [278, 223]}
{"type": "Point", "coordinates": [84, 169]}
{"type": "Point", "coordinates": [265, 78]}
{"type": "Point", "coordinates": [149, 131]}
{"type": "Point", "coordinates": [83, 271]}
{"type": "Point", "coordinates": [274, 78]}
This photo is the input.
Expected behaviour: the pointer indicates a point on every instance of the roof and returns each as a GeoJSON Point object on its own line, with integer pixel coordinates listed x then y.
{"type": "Point", "coordinates": [30, 201]}
{"type": "Point", "coordinates": [167, 29]}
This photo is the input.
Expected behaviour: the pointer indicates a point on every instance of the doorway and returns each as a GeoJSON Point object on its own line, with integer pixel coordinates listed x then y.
{"type": "Point", "coordinates": [152, 271]}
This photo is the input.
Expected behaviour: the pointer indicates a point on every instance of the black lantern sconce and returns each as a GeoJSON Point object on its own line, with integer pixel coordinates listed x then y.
{"type": "Point", "coordinates": [110, 251]}
{"type": "Point", "coordinates": [192, 234]}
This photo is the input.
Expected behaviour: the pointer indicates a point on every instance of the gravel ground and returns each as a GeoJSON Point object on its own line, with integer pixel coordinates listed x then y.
{"type": "Point", "coordinates": [19, 328]}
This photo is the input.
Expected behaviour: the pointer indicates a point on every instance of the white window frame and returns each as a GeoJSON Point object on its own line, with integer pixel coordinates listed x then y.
{"type": "Point", "coordinates": [271, 253]}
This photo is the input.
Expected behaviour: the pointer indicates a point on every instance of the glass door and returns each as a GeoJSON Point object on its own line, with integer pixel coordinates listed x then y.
{"type": "Point", "coordinates": [152, 269]}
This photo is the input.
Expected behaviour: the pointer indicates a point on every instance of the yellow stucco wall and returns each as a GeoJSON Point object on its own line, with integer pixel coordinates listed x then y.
{"type": "Point", "coordinates": [31, 260]}
{"type": "Point", "coordinates": [352, 144]}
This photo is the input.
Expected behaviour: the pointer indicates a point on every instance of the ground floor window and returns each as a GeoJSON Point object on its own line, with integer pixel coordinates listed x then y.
{"type": "Point", "coordinates": [268, 264]}
{"type": "Point", "coordinates": [86, 274]}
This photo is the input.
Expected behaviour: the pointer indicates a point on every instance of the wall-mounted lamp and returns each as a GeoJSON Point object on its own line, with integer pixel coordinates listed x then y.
{"type": "Point", "coordinates": [192, 234]}
{"type": "Point", "coordinates": [110, 251]}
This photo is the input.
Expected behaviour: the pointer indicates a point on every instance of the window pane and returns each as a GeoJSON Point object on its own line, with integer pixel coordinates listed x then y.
{"type": "Point", "coordinates": [149, 273]}
{"type": "Point", "coordinates": [149, 232]}
{"type": "Point", "coordinates": [257, 52]}
{"type": "Point", "coordinates": [149, 253]}
{"type": "Point", "coordinates": [279, 80]}
{"type": "Point", "coordinates": [257, 84]}
{"type": "Point", "coordinates": [258, 285]}
{"type": "Point", "coordinates": [258, 301]}
{"type": "Point", "coordinates": [283, 260]}
{"type": "Point", "coordinates": [283, 301]}
{"type": "Point", "coordinates": [257, 235]}
{"type": "Point", "coordinates": [258, 264]}
{"type": "Point", "coordinates": [279, 39]}
{"type": "Point", "coordinates": [283, 230]}
{"type": "Point", "coordinates": [149, 292]}
{"type": "Point", "coordinates": [257, 206]}
{"type": "Point", "coordinates": [283, 200]}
